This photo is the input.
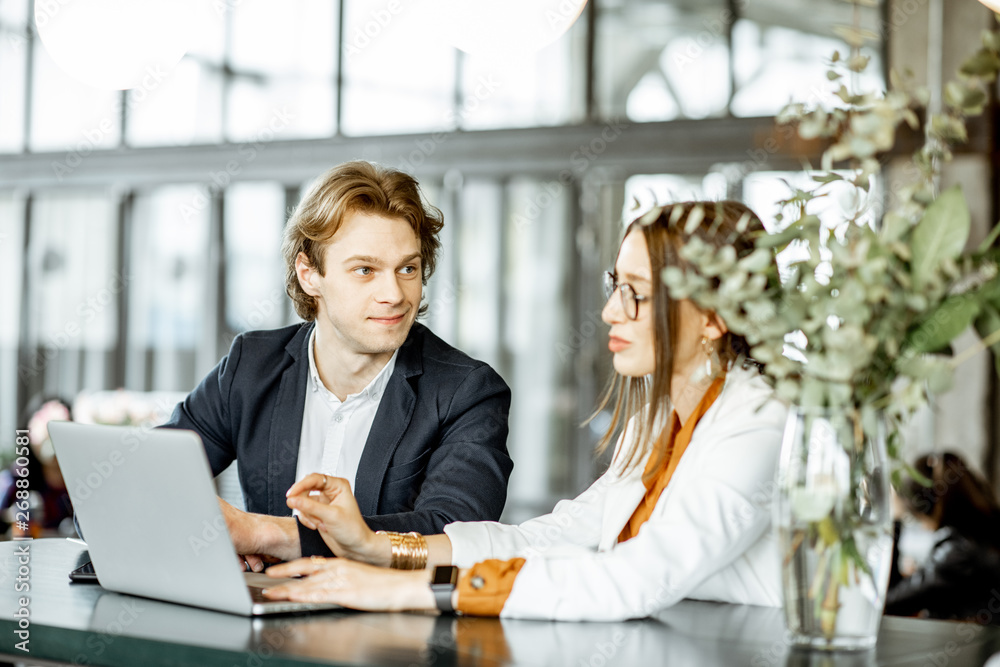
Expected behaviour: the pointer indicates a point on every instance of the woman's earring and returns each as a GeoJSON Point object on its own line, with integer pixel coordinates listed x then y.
{"type": "Point", "coordinates": [712, 364]}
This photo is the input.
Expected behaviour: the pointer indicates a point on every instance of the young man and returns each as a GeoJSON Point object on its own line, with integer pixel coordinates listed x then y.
{"type": "Point", "coordinates": [359, 391]}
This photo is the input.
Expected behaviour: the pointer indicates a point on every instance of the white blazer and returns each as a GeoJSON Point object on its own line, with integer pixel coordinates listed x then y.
{"type": "Point", "coordinates": [708, 538]}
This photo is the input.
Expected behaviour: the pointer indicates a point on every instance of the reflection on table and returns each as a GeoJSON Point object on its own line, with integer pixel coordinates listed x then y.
{"type": "Point", "coordinates": [84, 624]}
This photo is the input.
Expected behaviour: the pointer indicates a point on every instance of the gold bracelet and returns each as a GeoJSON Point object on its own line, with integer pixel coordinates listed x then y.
{"type": "Point", "coordinates": [409, 550]}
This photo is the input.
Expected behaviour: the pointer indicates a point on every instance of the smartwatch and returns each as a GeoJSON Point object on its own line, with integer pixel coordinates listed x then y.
{"type": "Point", "coordinates": [443, 581]}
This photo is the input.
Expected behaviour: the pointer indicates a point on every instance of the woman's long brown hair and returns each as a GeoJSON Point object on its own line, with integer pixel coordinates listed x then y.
{"type": "Point", "coordinates": [725, 223]}
{"type": "Point", "coordinates": [957, 498]}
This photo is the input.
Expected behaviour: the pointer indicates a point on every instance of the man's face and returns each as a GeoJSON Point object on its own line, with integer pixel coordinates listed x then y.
{"type": "Point", "coordinates": [370, 295]}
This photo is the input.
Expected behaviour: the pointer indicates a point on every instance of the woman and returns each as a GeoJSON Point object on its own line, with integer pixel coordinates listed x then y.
{"type": "Point", "coordinates": [962, 572]}
{"type": "Point", "coordinates": [50, 504]}
{"type": "Point", "coordinates": [681, 512]}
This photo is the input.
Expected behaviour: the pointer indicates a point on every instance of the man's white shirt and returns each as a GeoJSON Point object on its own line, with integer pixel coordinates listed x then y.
{"type": "Point", "coordinates": [334, 432]}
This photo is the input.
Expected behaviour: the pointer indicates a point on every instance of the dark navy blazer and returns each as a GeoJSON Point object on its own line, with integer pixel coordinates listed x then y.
{"type": "Point", "coordinates": [436, 452]}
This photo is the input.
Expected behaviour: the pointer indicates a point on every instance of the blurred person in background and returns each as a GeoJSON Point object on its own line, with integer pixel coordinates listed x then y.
{"type": "Point", "coordinates": [961, 575]}
{"type": "Point", "coordinates": [49, 506]}
{"type": "Point", "coordinates": [677, 515]}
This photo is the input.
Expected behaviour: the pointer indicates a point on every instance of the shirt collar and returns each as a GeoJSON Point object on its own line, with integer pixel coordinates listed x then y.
{"type": "Point", "coordinates": [374, 388]}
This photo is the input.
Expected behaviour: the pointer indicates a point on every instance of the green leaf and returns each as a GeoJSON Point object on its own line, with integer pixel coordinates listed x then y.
{"type": "Point", "coordinates": [983, 64]}
{"type": "Point", "coordinates": [940, 235]}
{"type": "Point", "coordinates": [987, 323]}
{"type": "Point", "coordinates": [944, 324]}
{"type": "Point", "coordinates": [991, 40]}
{"type": "Point", "coordinates": [990, 239]}
{"type": "Point", "coordinates": [856, 37]}
{"type": "Point", "coordinates": [858, 63]}
{"type": "Point", "coordinates": [828, 178]}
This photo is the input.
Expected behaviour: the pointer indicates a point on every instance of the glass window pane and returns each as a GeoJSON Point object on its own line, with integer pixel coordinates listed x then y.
{"type": "Point", "coordinates": [442, 290]}
{"type": "Point", "coordinates": [11, 265]}
{"type": "Point", "coordinates": [75, 282]}
{"type": "Point", "coordinates": [169, 280]}
{"type": "Point", "coordinates": [526, 90]}
{"type": "Point", "coordinates": [479, 236]}
{"type": "Point", "coordinates": [72, 319]}
{"type": "Point", "coordinates": [67, 114]}
{"type": "Point", "coordinates": [539, 339]}
{"type": "Point", "coordinates": [285, 61]}
{"type": "Point", "coordinates": [644, 191]}
{"type": "Point", "coordinates": [255, 271]}
{"type": "Point", "coordinates": [783, 56]}
{"type": "Point", "coordinates": [661, 61]}
{"type": "Point", "coordinates": [13, 59]}
{"type": "Point", "coordinates": [279, 110]}
{"type": "Point", "coordinates": [185, 108]}
{"type": "Point", "coordinates": [396, 80]}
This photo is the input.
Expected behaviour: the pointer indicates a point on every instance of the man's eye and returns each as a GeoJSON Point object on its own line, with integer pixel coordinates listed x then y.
{"type": "Point", "coordinates": [363, 270]}
{"type": "Point", "coordinates": [408, 270]}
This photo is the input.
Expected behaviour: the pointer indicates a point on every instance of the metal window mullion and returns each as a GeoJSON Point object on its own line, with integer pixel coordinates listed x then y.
{"type": "Point", "coordinates": [504, 355]}
{"type": "Point", "coordinates": [458, 99]}
{"type": "Point", "coordinates": [123, 118]}
{"type": "Point", "coordinates": [29, 76]}
{"type": "Point", "coordinates": [590, 82]}
{"type": "Point", "coordinates": [124, 267]}
{"type": "Point", "coordinates": [27, 348]}
{"type": "Point", "coordinates": [338, 128]}
{"type": "Point", "coordinates": [227, 72]}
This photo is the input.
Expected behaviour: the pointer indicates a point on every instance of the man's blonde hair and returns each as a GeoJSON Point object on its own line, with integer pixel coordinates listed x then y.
{"type": "Point", "coordinates": [351, 187]}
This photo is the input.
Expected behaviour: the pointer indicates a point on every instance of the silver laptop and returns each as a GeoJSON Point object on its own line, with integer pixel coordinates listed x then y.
{"type": "Point", "coordinates": [147, 508]}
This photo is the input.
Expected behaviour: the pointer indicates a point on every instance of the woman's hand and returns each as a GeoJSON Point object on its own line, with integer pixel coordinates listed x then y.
{"type": "Point", "coordinates": [353, 585]}
{"type": "Point", "coordinates": [326, 504]}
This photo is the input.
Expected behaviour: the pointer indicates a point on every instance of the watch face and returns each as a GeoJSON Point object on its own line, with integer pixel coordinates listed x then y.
{"type": "Point", "coordinates": [447, 574]}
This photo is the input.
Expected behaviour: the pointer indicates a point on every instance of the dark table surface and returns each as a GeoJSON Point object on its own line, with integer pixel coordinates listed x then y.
{"type": "Point", "coordinates": [84, 624]}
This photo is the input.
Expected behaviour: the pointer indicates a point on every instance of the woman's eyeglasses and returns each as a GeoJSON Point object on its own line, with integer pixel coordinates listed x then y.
{"type": "Point", "coordinates": [630, 300]}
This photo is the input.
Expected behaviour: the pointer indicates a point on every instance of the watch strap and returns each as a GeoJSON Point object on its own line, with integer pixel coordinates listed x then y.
{"type": "Point", "coordinates": [443, 591]}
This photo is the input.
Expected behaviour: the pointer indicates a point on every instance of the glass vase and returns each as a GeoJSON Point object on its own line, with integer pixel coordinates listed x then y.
{"type": "Point", "coordinates": [834, 524]}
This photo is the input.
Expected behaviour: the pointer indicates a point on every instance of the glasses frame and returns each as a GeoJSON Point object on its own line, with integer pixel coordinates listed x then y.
{"type": "Point", "coordinates": [630, 300]}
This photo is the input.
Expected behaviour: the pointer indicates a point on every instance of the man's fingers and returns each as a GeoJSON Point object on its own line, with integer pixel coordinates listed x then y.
{"type": "Point", "coordinates": [255, 562]}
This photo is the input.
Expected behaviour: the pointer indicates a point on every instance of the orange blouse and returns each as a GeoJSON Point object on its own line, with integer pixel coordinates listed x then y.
{"type": "Point", "coordinates": [678, 439]}
{"type": "Point", "coordinates": [484, 588]}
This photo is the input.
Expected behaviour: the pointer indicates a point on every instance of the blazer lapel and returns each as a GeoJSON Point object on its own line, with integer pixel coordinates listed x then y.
{"type": "Point", "coordinates": [286, 423]}
{"type": "Point", "coordinates": [391, 420]}
{"type": "Point", "coordinates": [621, 500]}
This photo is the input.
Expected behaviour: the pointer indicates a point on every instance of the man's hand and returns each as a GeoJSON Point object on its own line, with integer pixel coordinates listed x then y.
{"type": "Point", "coordinates": [257, 535]}
{"type": "Point", "coordinates": [326, 504]}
